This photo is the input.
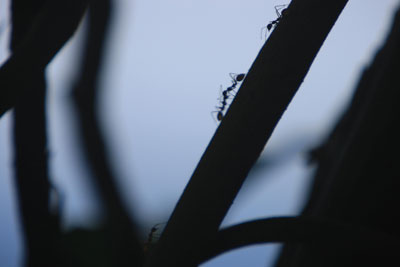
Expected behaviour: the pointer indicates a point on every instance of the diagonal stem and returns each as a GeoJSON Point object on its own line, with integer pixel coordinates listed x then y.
{"type": "Point", "coordinates": [270, 84]}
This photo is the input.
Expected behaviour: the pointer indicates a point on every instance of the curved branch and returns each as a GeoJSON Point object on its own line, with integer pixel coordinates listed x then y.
{"type": "Point", "coordinates": [298, 230]}
{"type": "Point", "coordinates": [125, 246]}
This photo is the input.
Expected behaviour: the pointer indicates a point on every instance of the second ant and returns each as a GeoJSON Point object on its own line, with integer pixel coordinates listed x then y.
{"type": "Point", "coordinates": [225, 95]}
{"type": "Point", "coordinates": [280, 12]}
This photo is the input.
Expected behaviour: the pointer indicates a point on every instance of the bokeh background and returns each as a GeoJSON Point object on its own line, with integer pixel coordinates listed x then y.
{"type": "Point", "coordinates": [160, 82]}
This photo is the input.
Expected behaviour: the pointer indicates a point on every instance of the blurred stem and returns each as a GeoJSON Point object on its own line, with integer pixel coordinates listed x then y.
{"type": "Point", "coordinates": [39, 225]}
{"type": "Point", "coordinates": [50, 28]}
{"type": "Point", "coordinates": [357, 176]}
{"type": "Point", "coordinates": [267, 90]}
{"type": "Point", "coordinates": [125, 246]}
{"type": "Point", "coordinates": [33, 183]}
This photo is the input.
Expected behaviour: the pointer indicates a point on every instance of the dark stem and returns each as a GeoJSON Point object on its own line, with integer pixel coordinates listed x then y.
{"type": "Point", "coordinates": [356, 180]}
{"type": "Point", "coordinates": [50, 28]}
{"type": "Point", "coordinates": [295, 230]}
{"type": "Point", "coordinates": [33, 184]}
{"type": "Point", "coordinates": [40, 226]}
{"type": "Point", "coordinates": [266, 92]}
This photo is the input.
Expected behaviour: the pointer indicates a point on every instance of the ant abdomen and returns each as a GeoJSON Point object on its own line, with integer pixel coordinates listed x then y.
{"type": "Point", "coordinates": [236, 77]}
{"type": "Point", "coordinates": [220, 116]}
{"type": "Point", "coordinates": [240, 77]}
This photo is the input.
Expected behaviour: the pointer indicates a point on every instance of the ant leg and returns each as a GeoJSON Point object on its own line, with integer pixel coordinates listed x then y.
{"type": "Point", "coordinates": [231, 89]}
{"type": "Point", "coordinates": [221, 93]}
{"type": "Point", "coordinates": [233, 76]}
{"type": "Point", "coordinates": [262, 31]}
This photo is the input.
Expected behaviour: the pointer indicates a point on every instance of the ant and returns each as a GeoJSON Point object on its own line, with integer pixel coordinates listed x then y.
{"type": "Point", "coordinates": [236, 78]}
{"type": "Point", "coordinates": [280, 12]}
{"type": "Point", "coordinates": [151, 236]}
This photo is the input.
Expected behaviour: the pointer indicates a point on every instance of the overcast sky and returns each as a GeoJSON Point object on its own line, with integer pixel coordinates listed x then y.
{"type": "Point", "coordinates": [166, 61]}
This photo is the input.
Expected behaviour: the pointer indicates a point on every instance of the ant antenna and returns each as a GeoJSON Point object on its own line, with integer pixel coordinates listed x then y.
{"type": "Point", "coordinates": [279, 9]}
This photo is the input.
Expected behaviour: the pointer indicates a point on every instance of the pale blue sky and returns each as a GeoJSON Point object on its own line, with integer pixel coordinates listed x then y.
{"type": "Point", "coordinates": [166, 62]}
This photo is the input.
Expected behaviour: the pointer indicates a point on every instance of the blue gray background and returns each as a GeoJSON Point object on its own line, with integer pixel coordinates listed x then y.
{"type": "Point", "coordinates": [165, 63]}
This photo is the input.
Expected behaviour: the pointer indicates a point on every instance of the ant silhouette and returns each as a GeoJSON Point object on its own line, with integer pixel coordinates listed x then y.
{"type": "Point", "coordinates": [236, 78]}
{"type": "Point", "coordinates": [280, 12]}
{"type": "Point", "coordinates": [151, 236]}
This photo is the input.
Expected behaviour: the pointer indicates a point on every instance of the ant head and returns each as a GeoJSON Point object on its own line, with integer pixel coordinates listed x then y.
{"type": "Point", "coordinates": [269, 26]}
{"type": "Point", "coordinates": [240, 77]}
{"type": "Point", "coordinates": [283, 12]}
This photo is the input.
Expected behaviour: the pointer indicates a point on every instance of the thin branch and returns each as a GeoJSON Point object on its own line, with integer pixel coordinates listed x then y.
{"type": "Point", "coordinates": [266, 92]}
{"type": "Point", "coordinates": [295, 230]}
{"type": "Point", "coordinates": [50, 30]}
